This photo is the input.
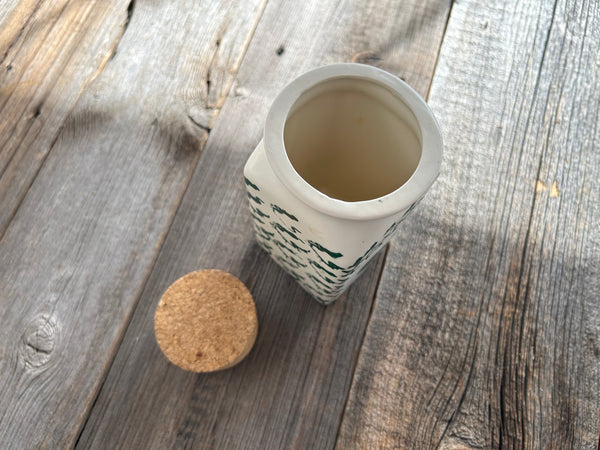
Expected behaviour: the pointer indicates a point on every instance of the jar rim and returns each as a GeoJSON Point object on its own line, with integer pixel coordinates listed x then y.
{"type": "Point", "coordinates": [398, 200]}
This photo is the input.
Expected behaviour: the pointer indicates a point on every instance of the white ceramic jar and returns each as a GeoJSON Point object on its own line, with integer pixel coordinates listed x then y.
{"type": "Point", "coordinates": [348, 151]}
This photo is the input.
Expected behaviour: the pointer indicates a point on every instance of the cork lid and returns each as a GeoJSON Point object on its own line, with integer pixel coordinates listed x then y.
{"type": "Point", "coordinates": [206, 321]}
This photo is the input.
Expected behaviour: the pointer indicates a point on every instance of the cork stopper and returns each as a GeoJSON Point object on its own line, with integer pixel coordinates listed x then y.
{"type": "Point", "coordinates": [206, 321]}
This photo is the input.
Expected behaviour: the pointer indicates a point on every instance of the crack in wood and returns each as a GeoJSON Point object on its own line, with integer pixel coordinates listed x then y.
{"type": "Point", "coordinates": [113, 51]}
{"type": "Point", "coordinates": [508, 387]}
{"type": "Point", "coordinates": [199, 125]}
{"type": "Point", "coordinates": [208, 82]}
{"type": "Point", "coordinates": [130, 8]}
{"type": "Point", "coordinates": [38, 348]}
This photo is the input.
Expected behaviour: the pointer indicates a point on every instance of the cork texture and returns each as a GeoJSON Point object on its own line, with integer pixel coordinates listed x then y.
{"type": "Point", "coordinates": [206, 321]}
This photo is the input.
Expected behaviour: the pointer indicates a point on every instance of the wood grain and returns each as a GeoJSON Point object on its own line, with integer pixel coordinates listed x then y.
{"type": "Point", "coordinates": [80, 247]}
{"type": "Point", "coordinates": [291, 390]}
{"type": "Point", "coordinates": [486, 327]}
{"type": "Point", "coordinates": [49, 52]}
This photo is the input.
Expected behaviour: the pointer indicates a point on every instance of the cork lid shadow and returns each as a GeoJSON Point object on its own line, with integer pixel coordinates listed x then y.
{"type": "Point", "coordinates": [206, 321]}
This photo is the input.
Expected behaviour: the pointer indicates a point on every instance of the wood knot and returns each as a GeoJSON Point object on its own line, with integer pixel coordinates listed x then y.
{"type": "Point", "coordinates": [38, 341]}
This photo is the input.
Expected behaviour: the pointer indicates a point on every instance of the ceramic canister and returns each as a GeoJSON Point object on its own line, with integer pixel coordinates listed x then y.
{"type": "Point", "coordinates": [348, 151]}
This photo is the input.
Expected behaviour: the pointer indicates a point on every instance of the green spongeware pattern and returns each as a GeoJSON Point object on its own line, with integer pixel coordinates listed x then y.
{"type": "Point", "coordinates": [315, 267]}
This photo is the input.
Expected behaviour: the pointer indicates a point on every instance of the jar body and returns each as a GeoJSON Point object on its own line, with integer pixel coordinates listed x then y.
{"type": "Point", "coordinates": [348, 151]}
{"type": "Point", "coordinates": [324, 254]}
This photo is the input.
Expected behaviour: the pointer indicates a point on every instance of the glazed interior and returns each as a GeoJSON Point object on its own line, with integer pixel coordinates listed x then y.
{"type": "Point", "coordinates": [352, 139]}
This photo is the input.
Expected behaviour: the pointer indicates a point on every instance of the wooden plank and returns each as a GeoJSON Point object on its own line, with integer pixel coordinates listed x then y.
{"type": "Point", "coordinates": [50, 50]}
{"type": "Point", "coordinates": [291, 390]}
{"type": "Point", "coordinates": [77, 253]}
{"type": "Point", "coordinates": [486, 328]}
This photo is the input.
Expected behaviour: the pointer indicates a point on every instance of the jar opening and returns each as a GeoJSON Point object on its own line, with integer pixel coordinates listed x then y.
{"type": "Point", "coordinates": [352, 139]}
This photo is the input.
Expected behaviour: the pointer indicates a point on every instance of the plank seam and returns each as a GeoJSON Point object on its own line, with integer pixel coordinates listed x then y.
{"type": "Point", "coordinates": [437, 58]}
{"type": "Point", "coordinates": [26, 190]}
{"type": "Point", "coordinates": [299, 388]}
{"type": "Point", "coordinates": [360, 349]}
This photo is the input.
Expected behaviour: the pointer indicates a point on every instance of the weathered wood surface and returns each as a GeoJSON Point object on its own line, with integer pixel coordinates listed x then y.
{"type": "Point", "coordinates": [49, 52]}
{"type": "Point", "coordinates": [486, 327]}
{"type": "Point", "coordinates": [291, 390]}
{"type": "Point", "coordinates": [78, 251]}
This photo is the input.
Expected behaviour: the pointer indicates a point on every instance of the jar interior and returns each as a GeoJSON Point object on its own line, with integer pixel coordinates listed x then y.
{"type": "Point", "coordinates": [352, 139]}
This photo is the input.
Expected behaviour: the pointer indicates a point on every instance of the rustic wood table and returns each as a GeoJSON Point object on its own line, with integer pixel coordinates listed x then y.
{"type": "Point", "coordinates": [124, 128]}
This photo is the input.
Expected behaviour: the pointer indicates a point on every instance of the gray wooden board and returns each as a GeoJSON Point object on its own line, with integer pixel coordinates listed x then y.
{"type": "Point", "coordinates": [49, 52]}
{"type": "Point", "coordinates": [78, 251]}
{"type": "Point", "coordinates": [485, 331]}
{"type": "Point", "coordinates": [292, 388]}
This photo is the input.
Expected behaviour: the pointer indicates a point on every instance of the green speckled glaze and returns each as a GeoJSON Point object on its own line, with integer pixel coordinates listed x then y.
{"type": "Point", "coordinates": [312, 264]}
